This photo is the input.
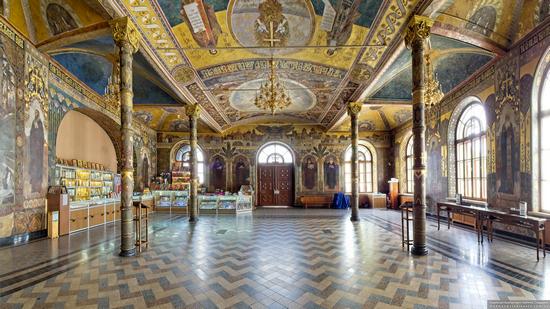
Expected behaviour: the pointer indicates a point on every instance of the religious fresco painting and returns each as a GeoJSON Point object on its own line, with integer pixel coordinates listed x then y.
{"type": "Point", "coordinates": [507, 152]}
{"type": "Point", "coordinates": [7, 139]}
{"type": "Point", "coordinates": [217, 174]}
{"type": "Point", "coordinates": [266, 22]}
{"type": "Point", "coordinates": [483, 20]}
{"type": "Point", "coordinates": [35, 130]}
{"type": "Point", "coordinates": [331, 171]}
{"type": "Point", "coordinates": [59, 19]}
{"type": "Point", "coordinates": [241, 175]}
{"type": "Point", "coordinates": [201, 18]}
{"type": "Point", "coordinates": [309, 173]}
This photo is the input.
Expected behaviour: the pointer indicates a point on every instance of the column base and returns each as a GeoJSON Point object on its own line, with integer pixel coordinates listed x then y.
{"type": "Point", "coordinates": [127, 253]}
{"type": "Point", "coordinates": [354, 218]}
{"type": "Point", "coordinates": [193, 219]}
{"type": "Point", "coordinates": [419, 250]}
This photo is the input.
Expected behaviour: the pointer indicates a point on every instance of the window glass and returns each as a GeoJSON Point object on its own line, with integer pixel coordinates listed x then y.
{"type": "Point", "coordinates": [184, 155]}
{"type": "Point", "coordinates": [364, 165]}
{"type": "Point", "coordinates": [471, 153]}
{"type": "Point", "coordinates": [275, 153]}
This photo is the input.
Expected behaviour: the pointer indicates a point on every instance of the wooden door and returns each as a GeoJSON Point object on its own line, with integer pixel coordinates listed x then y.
{"type": "Point", "coordinates": [284, 186]}
{"type": "Point", "coordinates": [276, 183]}
{"type": "Point", "coordinates": [266, 185]}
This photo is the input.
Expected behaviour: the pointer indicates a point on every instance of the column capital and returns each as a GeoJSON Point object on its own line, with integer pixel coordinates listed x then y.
{"type": "Point", "coordinates": [354, 108]}
{"type": "Point", "coordinates": [124, 31]}
{"type": "Point", "coordinates": [418, 29]}
{"type": "Point", "coordinates": [193, 110]}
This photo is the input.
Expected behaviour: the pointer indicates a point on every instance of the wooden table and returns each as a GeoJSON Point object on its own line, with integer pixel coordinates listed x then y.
{"type": "Point", "coordinates": [141, 216]}
{"type": "Point", "coordinates": [490, 216]}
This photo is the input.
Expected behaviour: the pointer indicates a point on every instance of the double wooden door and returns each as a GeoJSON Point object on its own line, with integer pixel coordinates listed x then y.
{"type": "Point", "coordinates": [276, 185]}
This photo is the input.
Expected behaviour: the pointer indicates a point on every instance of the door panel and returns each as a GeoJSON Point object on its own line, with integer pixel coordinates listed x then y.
{"type": "Point", "coordinates": [283, 180]}
{"type": "Point", "coordinates": [276, 187]}
{"type": "Point", "coordinates": [266, 185]}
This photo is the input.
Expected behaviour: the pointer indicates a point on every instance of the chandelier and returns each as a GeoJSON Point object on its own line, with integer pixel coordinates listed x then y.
{"type": "Point", "coordinates": [272, 95]}
{"type": "Point", "coordinates": [433, 93]}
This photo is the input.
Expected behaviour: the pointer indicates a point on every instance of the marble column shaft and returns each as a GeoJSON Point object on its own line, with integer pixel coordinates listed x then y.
{"type": "Point", "coordinates": [417, 33]}
{"type": "Point", "coordinates": [193, 112]}
{"type": "Point", "coordinates": [354, 108]}
{"type": "Point", "coordinates": [126, 38]}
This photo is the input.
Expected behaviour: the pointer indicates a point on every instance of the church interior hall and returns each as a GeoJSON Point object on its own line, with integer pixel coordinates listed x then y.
{"type": "Point", "coordinates": [274, 153]}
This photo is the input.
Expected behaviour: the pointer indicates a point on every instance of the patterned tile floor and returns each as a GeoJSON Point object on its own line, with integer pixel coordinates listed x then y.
{"type": "Point", "coordinates": [274, 258]}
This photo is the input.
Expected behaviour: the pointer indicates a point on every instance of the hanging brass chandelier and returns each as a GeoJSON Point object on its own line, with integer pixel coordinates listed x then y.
{"type": "Point", "coordinates": [272, 94]}
{"type": "Point", "coordinates": [432, 93]}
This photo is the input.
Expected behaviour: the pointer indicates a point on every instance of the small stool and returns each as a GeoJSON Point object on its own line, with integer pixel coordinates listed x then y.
{"type": "Point", "coordinates": [141, 217]}
{"type": "Point", "coordinates": [406, 218]}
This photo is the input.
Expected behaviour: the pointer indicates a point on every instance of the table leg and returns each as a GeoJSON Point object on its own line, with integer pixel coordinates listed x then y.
{"type": "Point", "coordinates": [480, 228]}
{"type": "Point", "coordinates": [448, 218]}
{"type": "Point", "coordinates": [402, 230]}
{"type": "Point", "coordinates": [544, 243]}
{"type": "Point", "coordinates": [538, 243]}
{"type": "Point", "coordinates": [438, 218]}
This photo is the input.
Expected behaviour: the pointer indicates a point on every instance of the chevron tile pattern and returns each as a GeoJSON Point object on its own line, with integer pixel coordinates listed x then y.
{"type": "Point", "coordinates": [269, 261]}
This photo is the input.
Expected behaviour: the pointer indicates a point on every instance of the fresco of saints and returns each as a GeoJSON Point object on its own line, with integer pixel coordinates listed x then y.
{"type": "Point", "coordinates": [331, 174]}
{"type": "Point", "coordinates": [36, 153]}
{"type": "Point", "coordinates": [241, 174]}
{"type": "Point", "coordinates": [218, 177]}
{"type": "Point", "coordinates": [310, 174]}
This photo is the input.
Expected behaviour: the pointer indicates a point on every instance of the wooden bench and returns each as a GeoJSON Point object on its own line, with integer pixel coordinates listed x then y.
{"type": "Point", "coordinates": [316, 200]}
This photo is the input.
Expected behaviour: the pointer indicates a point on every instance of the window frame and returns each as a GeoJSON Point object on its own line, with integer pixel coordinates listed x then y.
{"type": "Point", "coordinates": [542, 118]}
{"type": "Point", "coordinates": [471, 165]}
{"type": "Point", "coordinates": [365, 168]}
{"type": "Point", "coordinates": [275, 150]}
{"type": "Point", "coordinates": [201, 162]}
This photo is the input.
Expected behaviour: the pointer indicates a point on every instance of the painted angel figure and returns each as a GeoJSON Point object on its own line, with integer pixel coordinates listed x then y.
{"type": "Point", "coordinates": [261, 26]}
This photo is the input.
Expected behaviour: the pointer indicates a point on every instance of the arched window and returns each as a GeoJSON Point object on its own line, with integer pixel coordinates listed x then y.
{"type": "Point", "coordinates": [541, 140]}
{"type": "Point", "coordinates": [364, 158]}
{"type": "Point", "coordinates": [184, 155]}
{"type": "Point", "coordinates": [471, 152]}
{"type": "Point", "coordinates": [409, 163]}
{"type": "Point", "coordinates": [275, 153]}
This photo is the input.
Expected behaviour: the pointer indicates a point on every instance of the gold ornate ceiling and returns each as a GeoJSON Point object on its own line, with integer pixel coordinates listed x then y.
{"type": "Point", "coordinates": [327, 52]}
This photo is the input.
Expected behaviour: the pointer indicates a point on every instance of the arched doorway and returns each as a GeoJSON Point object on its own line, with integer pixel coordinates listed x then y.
{"type": "Point", "coordinates": [275, 175]}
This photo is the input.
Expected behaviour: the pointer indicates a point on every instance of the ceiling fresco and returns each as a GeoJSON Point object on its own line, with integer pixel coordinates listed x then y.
{"type": "Point", "coordinates": [502, 22]}
{"type": "Point", "coordinates": [166, 119]}
{"type": "Point", "coordinates": [230, 61]}
{"type": "Point", "coordinates": [91, 61]}
{"type": "Point", "coordinates": [453, 62]}
{"type": "Point", "coordinates": [376, 117]}
{"type": "Point", "coordinates": [326, 52]}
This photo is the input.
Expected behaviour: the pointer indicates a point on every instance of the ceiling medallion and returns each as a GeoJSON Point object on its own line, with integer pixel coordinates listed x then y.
{"type": "Point", "coordinates": [433, 93]}
{"type": "Point", "coordinates": [273, 96]}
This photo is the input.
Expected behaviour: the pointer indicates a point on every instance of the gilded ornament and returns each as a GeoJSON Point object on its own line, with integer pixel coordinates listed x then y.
{"type": "Point", "coordinates": [35, 86]}
{"type": "Point", "coordinates": [354, 108]}
{"type": "Point", "coordinates": [124, 31]}
{"type": "Point", "coordinates": [418, 29]}
{"type": "Point", "coordinates": [193, 110]}
{"type": "Point", "coordinates": [183, 74]}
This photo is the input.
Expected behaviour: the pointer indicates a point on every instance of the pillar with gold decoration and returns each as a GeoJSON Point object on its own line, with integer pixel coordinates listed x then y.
{"type": "Point", "coordinates": [193, 112]}
{"type": "Point", "coordinates": [354, 108]}
{"type": "Point", "coordinates": [416, 34]}
{"type": "Point", "coordinates": [126, 38]}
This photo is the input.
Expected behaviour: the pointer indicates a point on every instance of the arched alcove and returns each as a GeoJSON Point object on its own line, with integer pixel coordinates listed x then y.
{"type": "Point", "coordinates": [80, 137]}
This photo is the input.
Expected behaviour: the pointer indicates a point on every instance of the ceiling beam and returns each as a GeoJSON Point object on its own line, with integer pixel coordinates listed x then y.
{"type": "Point", "coordinates": [75, 36]}
{"type": "Point", "coordinates": [467, 36]}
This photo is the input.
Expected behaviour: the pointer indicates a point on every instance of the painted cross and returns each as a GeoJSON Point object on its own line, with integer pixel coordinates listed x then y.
{"type": "Point", "coordinates": [272, 38]}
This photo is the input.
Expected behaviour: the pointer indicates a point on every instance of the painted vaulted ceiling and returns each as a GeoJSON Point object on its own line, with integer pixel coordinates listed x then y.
{"type": "Point", "coordinates": [326, 52]}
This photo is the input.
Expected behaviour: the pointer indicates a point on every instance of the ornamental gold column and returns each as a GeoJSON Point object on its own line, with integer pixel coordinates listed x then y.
{"type": "Point", "coordinates": [416, 34]}
{"type": "Point", "coordinates": [126, 38]}
{"type": "Point", "coordinates": [354, 108]}
{"type": "Point", "coordinates": [193, 112]}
